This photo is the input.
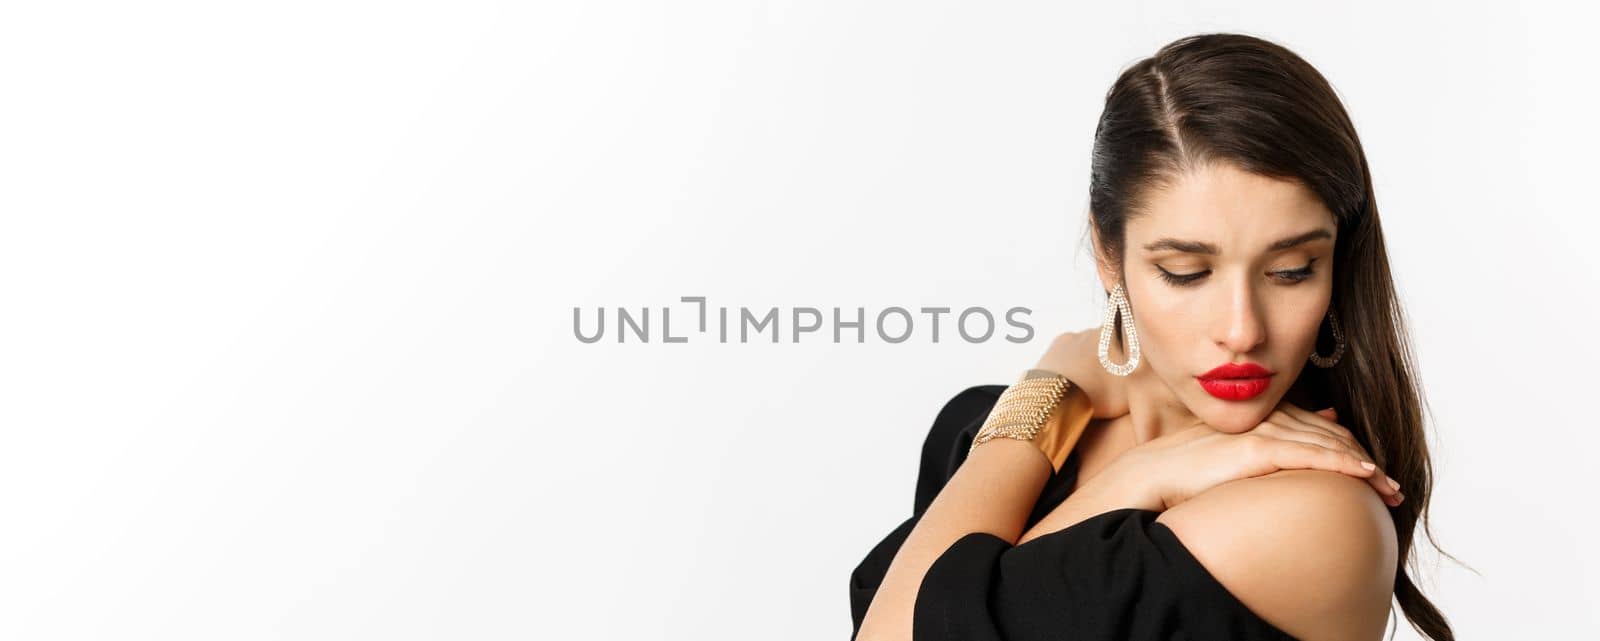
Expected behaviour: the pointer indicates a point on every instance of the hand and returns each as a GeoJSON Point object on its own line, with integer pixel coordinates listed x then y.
{"type": "Point", "coordinates": [1164, 472]}
{"type": "Point", "coordinates": [1073, 355]}
{"type": "Point", "coordinates": [1320, 427]}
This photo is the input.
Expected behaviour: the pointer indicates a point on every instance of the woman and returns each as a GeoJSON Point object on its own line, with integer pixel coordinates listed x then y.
{"type": "Point", "coordinates": [1172, 483]}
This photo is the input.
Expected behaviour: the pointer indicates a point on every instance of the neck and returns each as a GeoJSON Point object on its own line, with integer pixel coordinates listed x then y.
{"type": "Point", "coordinates": [1153, 408]}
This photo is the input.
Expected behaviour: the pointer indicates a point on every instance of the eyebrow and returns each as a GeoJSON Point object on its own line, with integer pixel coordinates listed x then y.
{"type": "Point", "coordinates": [1197, 247]}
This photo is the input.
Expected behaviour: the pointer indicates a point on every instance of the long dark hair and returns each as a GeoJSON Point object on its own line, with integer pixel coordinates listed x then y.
{"type": "Point", "coordinates": [1256, 105]}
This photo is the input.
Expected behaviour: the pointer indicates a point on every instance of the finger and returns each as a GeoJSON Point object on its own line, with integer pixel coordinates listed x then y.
{"type": "Point", "coordinates": [1386, 487]}
{"type": "Point", "coordinates": [1283, 424]}
{"type": "Point", "coordinates": [1318, 419]}
{"type": "Point", "coordinates": [1293, 455]}
{"type": "Point", "coordinates": [1296, 418]}
{"type": "Point", "coordinates": [1374, 477]}
{"type": "Point", "coordinates": [1284, 427]}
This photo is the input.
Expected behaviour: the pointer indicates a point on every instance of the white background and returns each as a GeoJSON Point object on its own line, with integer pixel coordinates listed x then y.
{"type": "Point", "coordinates": [288, 289]}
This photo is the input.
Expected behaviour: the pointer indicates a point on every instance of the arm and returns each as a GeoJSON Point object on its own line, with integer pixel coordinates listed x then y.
{"type": "Point", "coordinates": [993, 491]}
{"type": "Point", "coordinates": [1081, 504]}
{"type": "Point", "coordinates": [1312, 552]}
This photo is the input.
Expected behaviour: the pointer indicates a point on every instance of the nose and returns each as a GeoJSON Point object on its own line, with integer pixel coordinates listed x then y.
{"type": "Point", "coordinates": [1242, 328]}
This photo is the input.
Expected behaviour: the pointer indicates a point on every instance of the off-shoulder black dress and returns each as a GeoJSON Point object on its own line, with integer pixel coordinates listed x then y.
{"type": "Point", "coordinates": [1116, 575]}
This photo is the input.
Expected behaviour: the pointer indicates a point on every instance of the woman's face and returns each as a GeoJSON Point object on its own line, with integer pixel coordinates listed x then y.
{"type": "Point", "coordinates": [1226, 266]}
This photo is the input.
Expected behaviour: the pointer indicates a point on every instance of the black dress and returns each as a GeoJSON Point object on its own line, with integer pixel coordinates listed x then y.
{"type": "Point", "coordinates": [1116, 575]}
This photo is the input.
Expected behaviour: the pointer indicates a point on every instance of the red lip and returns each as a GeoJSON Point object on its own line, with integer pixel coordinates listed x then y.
{"type": "Point", "coordinates": [1236, 381]}
{"type": "Point", "coordinates": [1237, 370]}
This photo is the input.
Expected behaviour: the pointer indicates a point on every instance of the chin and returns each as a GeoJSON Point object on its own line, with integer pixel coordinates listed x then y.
{"type": "Point", "coordinates": [1235, 417]}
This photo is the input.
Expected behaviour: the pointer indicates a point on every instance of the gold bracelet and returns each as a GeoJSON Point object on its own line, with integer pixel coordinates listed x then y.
{"type": "Point", "coordinates": [1024, 408]}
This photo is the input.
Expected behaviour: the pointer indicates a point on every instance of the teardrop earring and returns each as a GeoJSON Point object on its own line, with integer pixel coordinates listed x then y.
{"type": "Point", "coordinates": [1117, 308]}
{"type": "Point", "coordinates": [1338, 345]}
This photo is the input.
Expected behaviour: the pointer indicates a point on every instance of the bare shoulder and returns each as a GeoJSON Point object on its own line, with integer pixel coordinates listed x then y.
{"type": "Point", "coordinates": [1311, 552]}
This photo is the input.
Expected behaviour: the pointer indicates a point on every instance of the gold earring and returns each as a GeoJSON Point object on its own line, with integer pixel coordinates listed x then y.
{"type": "Point", "coordinates": [1338, 345]}
{"type": "Point", "coordinates": [1117, 306]}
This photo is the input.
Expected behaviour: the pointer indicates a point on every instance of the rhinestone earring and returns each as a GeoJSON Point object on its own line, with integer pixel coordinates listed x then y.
{"type": "Point", "coordinates": [1117, 308]}
{"type": "Point", "coordinates": [1338, 346]}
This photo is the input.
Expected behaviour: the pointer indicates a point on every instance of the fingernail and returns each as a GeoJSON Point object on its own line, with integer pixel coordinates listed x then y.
{"type": "Point", "coordinates": [1393, 484]}
{"type": "Point", "coordinates": [1370, 467]}
{"type": "Point", "coordinates": [1398, 497]}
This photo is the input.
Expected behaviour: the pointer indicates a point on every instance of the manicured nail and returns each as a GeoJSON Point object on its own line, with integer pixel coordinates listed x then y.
{"type": "Point", "coordinates": [1393, 484]}
{"type": "Point", "coordinates": [1368, 464]}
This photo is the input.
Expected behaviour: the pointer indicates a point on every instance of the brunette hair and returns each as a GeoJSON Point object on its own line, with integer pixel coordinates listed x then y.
{"type": "Point", "coordinates": [1241, 100]}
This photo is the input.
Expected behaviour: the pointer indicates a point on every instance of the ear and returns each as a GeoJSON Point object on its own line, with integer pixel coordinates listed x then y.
{"type": "Point", "coordinates": [1109, 272]}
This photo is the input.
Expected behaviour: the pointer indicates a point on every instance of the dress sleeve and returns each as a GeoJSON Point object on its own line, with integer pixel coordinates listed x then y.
{"type": "Point", "coordinates": [943, 450]}
{"type": "Point", "coordinates": [1116, 575]}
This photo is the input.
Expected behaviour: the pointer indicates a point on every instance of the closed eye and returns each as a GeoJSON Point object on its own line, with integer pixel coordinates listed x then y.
{"type": "Point", "coordinates": [1287, 276]}
{"type": "Point", "coordinates": [1295, 275]}
{"type": "Point", "coordinates": [1180, 280]}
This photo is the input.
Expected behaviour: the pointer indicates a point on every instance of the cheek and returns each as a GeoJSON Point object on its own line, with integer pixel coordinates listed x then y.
{"type": "Point", "coordinates": [1296, 321]}
{"type": "Point", "coordinates": [1168, 327]}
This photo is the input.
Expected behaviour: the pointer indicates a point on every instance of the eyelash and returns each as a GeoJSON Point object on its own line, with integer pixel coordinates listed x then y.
{"type": "Point", "coordinates": [1290, 276]}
